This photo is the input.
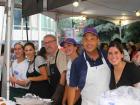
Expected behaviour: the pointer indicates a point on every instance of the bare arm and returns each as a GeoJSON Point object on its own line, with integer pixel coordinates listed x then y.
{"type": "Point", "coordinates": [43, 76]}
{"type": "Point", "coordinates": [73, 95]}
{"type": "Point", "coordinates": [65, 96]}
{"type": "Point", "coordinates": [14, 81]}
{"type": "Point", "coordinates": [63, 78]}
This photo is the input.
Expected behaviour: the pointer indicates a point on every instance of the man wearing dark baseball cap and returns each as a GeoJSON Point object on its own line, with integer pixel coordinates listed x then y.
{"type": "Point", "coordinates": [90, 72]}
{"type": "Point", "coordinates": [90, 30]}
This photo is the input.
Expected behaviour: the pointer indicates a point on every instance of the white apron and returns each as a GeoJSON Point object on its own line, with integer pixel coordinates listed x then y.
{"type": "Point", "coordinates": [97, 81]}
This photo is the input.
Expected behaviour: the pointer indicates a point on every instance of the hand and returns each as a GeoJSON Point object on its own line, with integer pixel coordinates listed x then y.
{"type": "Point", "coordinates": [13, 80]}
{"type": "Point", "coordinates": [58, 95]}
{"type": "Point", "coordinates": [28, 81]}
{"type": "Point", "coordinates": [64, 101]}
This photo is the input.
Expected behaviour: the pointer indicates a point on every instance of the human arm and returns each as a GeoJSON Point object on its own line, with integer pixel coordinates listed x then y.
{"type": "Point", "coordinates": [58, 94]}
{"type": "Point", "coordinates": [73, 92]}
{"type": "Point", "coordinates": [135, 73]}
{"type": "Point", "coordinates": [137, 85]}
{"type": "Point", "coordinates": [39, 66]}
{"type": "Point", "coordinates": [42, 76]}
{"type": "Point", "coordinates": [64, 100]}
{"type": "Point", "coordinates": [72, 95]}
{"type": "Point", "coordinates": [12, 80]}
{"type": "Point", "coordinates": [62, 67]}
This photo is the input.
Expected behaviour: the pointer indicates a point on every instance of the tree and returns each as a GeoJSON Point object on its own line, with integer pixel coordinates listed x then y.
{"type": "Point", "coordinates": [133, 32]}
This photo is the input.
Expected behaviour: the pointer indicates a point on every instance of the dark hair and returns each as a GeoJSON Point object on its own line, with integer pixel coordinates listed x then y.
{"type": "Point", "coordinates": [29, 44]}
{"type": "Point", "coordinates": [117, 45]}
{"type": "Point", "coordinates": [42, 52]}
{"type": "Point", "coordinates": [117, 40]}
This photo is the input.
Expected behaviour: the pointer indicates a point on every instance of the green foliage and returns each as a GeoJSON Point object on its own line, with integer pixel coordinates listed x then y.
{"type": "Point", "coordinates": [133, 32]}
{"type": "Point", "coordinates": [105, 29]}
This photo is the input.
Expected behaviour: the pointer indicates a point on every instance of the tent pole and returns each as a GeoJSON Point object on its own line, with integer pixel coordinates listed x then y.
{"type": "Point", "coordinates": [6, 67]}
{"type": "Point", "coordinates": [120, 32]}
{"type": "Point", "coordinates": [39, 31]}
{"type": "Point", "coordinates": [26, 19]}
{"type": "Point", "coordinates": [2, 28]}
{"type": "Point", "coordinates": [56, 27]}
{"type": "Point", "coordinates": [22, 28]}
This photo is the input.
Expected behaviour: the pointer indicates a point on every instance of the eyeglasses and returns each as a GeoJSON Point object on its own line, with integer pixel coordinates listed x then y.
{"type": "Point", "coordinates": [49, 42]}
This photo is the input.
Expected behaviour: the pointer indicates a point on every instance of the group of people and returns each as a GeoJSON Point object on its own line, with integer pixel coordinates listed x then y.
{"type": "Point", "coordinates": [71, 76]}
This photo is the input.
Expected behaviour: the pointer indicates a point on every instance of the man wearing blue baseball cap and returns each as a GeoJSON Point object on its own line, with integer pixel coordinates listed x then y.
{"type": "Point", "coordinates": [90, 72]}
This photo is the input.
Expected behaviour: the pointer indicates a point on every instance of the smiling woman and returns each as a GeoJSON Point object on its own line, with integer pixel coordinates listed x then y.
{"type": "Point", "coordinates": [37, 72]}
{"type": "Point", "coordinates": [123, 73]}
{"type": "Point", "coordinates": [18, 73]}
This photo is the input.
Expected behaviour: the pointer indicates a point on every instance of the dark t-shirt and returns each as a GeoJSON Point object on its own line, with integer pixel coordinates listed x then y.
{"type": "Point", "coordinates": [129, 77]}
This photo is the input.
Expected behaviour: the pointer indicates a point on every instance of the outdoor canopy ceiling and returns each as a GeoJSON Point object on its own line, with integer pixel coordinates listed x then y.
{"type": "Point", "coordinates": [111, 10]}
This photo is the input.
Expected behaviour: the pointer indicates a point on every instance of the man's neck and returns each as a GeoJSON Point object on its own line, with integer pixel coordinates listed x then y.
{"type": "Point", "coordinates": [54, 54]}
{"type": "Point", "coordinates": [93, 55]}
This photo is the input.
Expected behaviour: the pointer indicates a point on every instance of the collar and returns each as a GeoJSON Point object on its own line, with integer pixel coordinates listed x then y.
{"type": "Point", "coordinates": [89, 59]}
{"type": "Point", "coordinates": [53, 55]}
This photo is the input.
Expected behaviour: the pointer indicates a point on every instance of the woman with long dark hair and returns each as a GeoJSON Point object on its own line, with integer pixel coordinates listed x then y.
{"type": "Point", "coordinates": [37, 72]}
{"type": "Point", "coordinates": [123, 73]}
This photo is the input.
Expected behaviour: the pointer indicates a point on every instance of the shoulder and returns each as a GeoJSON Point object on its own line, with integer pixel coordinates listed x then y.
{"type": "Point", "coordinates": [79, 63]}
{"type": "Point", "coordinates": [14, 63]}
{"type": "Point", "coordinates": [131, 66]}
{"type": "Point", "coordinates": [61, 55]}
{"type": "Point", "coordinates": [61, 52]}
{"type": "Point", "coordinates": [80, 59]}
{"type": "Point", "coordinates": [39, 58]}
{"type": "Point", "coordinates": [104, 54]}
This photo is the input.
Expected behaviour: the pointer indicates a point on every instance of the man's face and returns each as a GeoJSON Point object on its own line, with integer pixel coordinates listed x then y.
{"type": "Point", "coordinates": [90, 42]}
{"type": "Point", "coordinates": [50, 44]}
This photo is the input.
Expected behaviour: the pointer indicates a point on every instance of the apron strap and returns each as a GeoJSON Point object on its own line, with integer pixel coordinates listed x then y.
{"type": "Point", "coordinates": [56, 55]}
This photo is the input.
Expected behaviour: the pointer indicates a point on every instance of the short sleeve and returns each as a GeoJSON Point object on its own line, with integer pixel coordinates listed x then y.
{"type": "Point", "coordinates": [73, 76]}
{"type": "Point", "coordinates": [61, 61]}
{"type": "Point", "coordinates": [78, 73]}
{"type": "Point", "coordinates": [40, 61]}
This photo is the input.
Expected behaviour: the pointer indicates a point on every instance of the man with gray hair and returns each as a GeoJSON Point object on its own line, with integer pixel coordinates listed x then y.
{"type": "Point", "coordinates": [57, 68]}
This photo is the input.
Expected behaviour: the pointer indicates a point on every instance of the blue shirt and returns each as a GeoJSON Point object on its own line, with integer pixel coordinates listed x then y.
{"type": "Point", "coordinates": [79, 69]}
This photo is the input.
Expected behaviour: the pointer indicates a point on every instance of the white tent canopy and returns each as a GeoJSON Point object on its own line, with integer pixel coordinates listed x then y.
{"type": "Point", "coordinates": [112, 10]}
{"type": "Point", "coordinates": [117, 11]}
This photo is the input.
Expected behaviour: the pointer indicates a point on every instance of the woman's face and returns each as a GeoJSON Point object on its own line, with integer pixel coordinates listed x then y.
{"type": "Point", "coordinates": [114, 56]}
{"type": "Point", "coordinates": [69, 49]}
{"type": "Point", "coordinates": [29, 52]}
{"type": "Point", "coordinates": [18, 50]}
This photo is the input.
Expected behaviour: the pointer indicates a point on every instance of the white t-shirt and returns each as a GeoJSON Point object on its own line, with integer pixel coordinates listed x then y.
{"type": "Point", "coordinates": [19, 70]}
{"type": "Point", "coordinates": [68, 72]}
